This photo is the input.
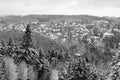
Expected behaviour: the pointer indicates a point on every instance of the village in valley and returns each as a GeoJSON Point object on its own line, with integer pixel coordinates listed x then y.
{"type": "Point", "coordinates": [58, 48]}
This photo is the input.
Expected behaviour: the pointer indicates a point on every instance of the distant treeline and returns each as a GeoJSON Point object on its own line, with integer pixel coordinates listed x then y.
{"type": "Point", "coordinates": [46, 18]}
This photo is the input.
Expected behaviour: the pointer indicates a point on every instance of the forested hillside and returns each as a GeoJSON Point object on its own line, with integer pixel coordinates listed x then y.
{"type": "Point", "coordinates": [39, 40]}
{"type": "Point", "coordinates": [44, 18]}
{"type": "Point", "coordinates": [59, 49]}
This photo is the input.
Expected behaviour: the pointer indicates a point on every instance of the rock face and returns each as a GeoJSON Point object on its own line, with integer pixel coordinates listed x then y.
{"type": "Point", "coordinates": [54, 74]}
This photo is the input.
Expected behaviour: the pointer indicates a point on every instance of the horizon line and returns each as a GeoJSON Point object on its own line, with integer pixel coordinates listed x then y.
{"type": "Point", "coordinates": [4, 15]}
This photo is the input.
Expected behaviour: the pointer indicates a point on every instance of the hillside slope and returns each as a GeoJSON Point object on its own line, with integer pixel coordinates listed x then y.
{"type": "Point", "coordinates": [47, 18]}
{"type": "Point", "coordinates": [40, 41]}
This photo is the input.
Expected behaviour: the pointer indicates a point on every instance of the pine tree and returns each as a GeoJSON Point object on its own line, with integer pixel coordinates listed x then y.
{"type": "Point", "coordinates": [3, 43]}
{"type": "Point", "coordinates": [10, 47]}
{"type": "Point", "coordinates": [26, 44]}
{"type": "Point", "coordinates": [27, 39]}
{"type": "Point", "coordinates": [10, 66]}
{"type": "Point", "coordinates": [30, 53]}
{"type": "Point", "coordinates": [80, 70]}
{"type": "Point", "coordinates": [11, 42]}
{"type": "Point", "coordinates": [29, 56]}
{"type": "Point", "coordinates": [2, 49]}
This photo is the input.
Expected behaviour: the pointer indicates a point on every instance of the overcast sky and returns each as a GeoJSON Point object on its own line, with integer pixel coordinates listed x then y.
{"type": "Point", "coordinates": [70, 7]}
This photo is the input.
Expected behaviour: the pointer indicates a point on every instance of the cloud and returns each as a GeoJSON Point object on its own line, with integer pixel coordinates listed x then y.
{"type": "Point", "coordinates": [100, 3]}
{"type": "Point", "coordinates": [95, 7]}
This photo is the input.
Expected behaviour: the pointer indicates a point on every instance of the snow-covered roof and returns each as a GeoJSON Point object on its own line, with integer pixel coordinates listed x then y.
{"type": "Point", "coordinates": [108, 34]}
{"type": "Point", "coordinates": [118, 63]}
{"type": "Point", "coordinates": [77, 54]}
